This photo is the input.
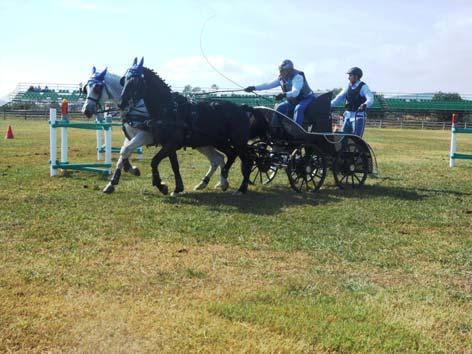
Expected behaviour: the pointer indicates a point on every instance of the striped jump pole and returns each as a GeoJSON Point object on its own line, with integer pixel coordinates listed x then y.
{"type": "Point", "coordinates": [114, 149]}
{"type": "Point", "coordinates": [64, 164]}
{"type": "Point", "coordinates": [453, 155]}
{"type": "Point", "coordinates": [99, 119]}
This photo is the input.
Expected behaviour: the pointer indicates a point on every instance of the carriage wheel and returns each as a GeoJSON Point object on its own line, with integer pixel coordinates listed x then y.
{"type": "Point", "coordinates": [263, 171]}
{"type": "Point", "coordinates": [350, 167]}
{"type": "Point", "coordinates": [306, 171]}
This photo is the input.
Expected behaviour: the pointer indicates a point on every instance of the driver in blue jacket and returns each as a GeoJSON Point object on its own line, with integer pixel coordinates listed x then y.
{"type": "Point", "coordinates": [296, 92]}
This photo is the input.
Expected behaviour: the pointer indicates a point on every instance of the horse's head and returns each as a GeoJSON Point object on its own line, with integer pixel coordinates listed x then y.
{"type": "Point", "coordinates": [94, 91]}
{"type": "Point", "coordinates": [133, 85]}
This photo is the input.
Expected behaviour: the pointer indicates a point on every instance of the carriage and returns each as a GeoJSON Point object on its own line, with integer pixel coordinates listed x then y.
{"type": "Point", "coordinates": [306, 153]}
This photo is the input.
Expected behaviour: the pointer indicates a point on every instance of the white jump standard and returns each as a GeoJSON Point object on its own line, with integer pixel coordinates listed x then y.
{"type": "Point", "coordinates": [454, 131]}
{"type": "Point", "coordinates": [63, 164]}
{"type": "Point", "coordinates": [101, 147]}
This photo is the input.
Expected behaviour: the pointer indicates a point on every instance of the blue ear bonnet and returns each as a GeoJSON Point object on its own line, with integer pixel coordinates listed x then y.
{"type": "Point", "coordinates": [97, 77]}
{"type": "Point", "coordinates": [136, 70]}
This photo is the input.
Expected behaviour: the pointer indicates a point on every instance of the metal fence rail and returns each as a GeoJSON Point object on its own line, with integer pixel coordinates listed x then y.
{"type": "Point", "coordinates": [410, 124]}
{"type": "Point", "coordinates": [37, 114]}
{"type": "Point", "coordinates": [370, 123]}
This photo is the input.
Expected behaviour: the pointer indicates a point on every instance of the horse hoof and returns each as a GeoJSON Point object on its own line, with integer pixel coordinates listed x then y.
{"type": "Point", "coordinates": [238, 193]}
{"type": "Point", "coordinates": [176, 194]}
{"type": "Point", "coordinates": [223, 186]}
{"type": "Point", "coordinates": [109, 189]}
{"type": "Point", "coordinates": [135, 171]}
{"type": "Point", "coordinates": [200, 186]}
{"type": "Point", "coordinates": [163, 188]}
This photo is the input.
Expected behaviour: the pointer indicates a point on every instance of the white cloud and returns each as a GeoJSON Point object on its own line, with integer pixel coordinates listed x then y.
{"type": "Point", "coordinates": [441, 61]}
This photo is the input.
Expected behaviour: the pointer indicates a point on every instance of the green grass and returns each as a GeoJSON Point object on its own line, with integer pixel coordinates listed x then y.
{"type": "Point", "coordinates": [387, 268]}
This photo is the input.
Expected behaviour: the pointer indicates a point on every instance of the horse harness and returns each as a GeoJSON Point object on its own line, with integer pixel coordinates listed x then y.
{"type": "Point", "coordinates": [97, 100]}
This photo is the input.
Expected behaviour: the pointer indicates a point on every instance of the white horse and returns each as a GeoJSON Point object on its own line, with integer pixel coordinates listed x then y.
{"type": "Point", "coordinates": [104, 86]}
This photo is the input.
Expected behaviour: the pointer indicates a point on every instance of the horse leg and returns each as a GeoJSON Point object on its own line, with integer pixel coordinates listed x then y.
{"type": "Point", "coordinates": [115, 179]}
{"type": "Point", "coordinates": [246, 164]}
{"type": "Point", "coordinates": [134, 170]}
{"type": "Point", "coordinates": [231, 155]}
{"type": "Point", "coordinates": [216, 159]}
{"type": "Point", "coordinates": [179, 184]}
{"type": "Point", "coordinates": [156, 178]}
{"type": "Point", "coordinates": [126, 150]}
{"type": "Point", "coordinates": [127, 165]}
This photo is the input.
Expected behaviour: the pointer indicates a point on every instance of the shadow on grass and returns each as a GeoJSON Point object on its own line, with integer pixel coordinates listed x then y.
{"type": "Point", "coordinates": [267, 202]}
{"type": "Point", "coordinates": [376, 191]}
{"type": "Point", "coordinates": [273, 199]}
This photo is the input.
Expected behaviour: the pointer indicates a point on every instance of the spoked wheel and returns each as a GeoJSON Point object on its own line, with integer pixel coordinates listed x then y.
{"type": "Point", "coordinates": [263, 171]}
{"type": "Point", "coordinates": [350, 166]}
{"type": "Point", "coordinates": [306, 171]}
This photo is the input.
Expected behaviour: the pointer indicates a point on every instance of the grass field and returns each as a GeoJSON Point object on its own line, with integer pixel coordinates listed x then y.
{"type": "Point", "coordinates": [385, 269]}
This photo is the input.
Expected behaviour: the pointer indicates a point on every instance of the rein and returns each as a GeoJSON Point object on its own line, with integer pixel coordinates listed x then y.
{"type": "Point", "coordinates": [217, 91]}
{"type": "Point", "coordinates": [226, 91]}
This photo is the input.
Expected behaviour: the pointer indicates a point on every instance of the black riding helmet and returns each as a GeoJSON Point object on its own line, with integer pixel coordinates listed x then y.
{"type": "Point", "coordinates": [355, 71]}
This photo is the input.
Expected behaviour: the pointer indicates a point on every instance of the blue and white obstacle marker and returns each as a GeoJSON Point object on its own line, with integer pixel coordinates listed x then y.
{"type": "Point", "coordinates": [454, 131]}
{"type": "Point", "coordinates": [63, 164]}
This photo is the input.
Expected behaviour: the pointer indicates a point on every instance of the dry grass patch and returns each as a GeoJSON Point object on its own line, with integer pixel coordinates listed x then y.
{"type": "Point", "coordinates": [139, 296]}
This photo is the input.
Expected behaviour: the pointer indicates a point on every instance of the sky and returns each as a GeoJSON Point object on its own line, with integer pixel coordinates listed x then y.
{"type": "Point", "coordinates": [402, 46]}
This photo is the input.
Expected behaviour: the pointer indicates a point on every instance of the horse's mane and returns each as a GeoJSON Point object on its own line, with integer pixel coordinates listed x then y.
{"type": "Point", "coordinates": [160, 98]}
{"type": "Point", "coordinates": [158, 95]}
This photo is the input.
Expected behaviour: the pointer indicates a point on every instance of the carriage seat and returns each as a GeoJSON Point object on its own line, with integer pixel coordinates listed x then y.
{"type": "Point", "coordinates": [318, 114]}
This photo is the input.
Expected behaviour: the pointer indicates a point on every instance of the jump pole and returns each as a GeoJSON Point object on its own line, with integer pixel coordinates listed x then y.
{"type": "Point", "coordinates": [104, 168]}
{"type": "Point", "coordinates": [101, 147]}
{"type": "Point", "coordinates": [98, 120]}
{"type": "Point", "coordinates": [52, 141]}
{"type": "Point", "coordinates": [453, 155]}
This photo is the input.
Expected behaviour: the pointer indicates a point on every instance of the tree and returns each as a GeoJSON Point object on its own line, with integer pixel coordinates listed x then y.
{"type": "Point", "coordinates": [187, 90]}
{"type": "Point", "coordinates": [336, 91]}
{"type": "Point", "coordinates": [214, 87]}
{"type": "Point", "coordinates": [445, 116]}
{"type": "Point", "coordinates": [196, 89]}
{"type": "Point", "coordinates": [447, 96]}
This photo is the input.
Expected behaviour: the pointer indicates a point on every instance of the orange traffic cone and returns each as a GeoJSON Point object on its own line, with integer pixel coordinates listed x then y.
{"type": "Point", "coordinates": [9, 134]}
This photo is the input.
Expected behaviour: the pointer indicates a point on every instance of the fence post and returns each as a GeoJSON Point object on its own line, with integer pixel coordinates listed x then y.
{"type": "Point", "coordinates": [444, 125]}
{"type": "Point", "coordinates": [422, 124]}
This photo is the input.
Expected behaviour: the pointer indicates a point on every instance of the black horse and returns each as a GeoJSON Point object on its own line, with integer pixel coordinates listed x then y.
{"type": "Point", "coordinates": [177, 122]}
